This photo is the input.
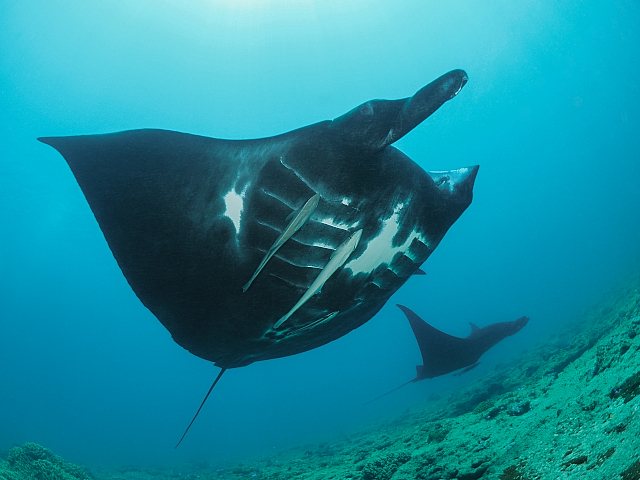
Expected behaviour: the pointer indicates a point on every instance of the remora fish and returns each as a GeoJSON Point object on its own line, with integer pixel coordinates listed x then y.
{"type": "Point", "coordinates": [298, 221]}
{"type": "Point", "coordinates": [337, 260]}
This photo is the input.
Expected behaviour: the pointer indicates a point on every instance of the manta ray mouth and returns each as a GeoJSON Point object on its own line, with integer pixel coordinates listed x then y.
{"type": "Point", "coordinates": [463, 82]}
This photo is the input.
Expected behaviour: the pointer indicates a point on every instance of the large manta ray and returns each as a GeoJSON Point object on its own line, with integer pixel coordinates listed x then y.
{"type": "Point", "coordinates": [249, 250]}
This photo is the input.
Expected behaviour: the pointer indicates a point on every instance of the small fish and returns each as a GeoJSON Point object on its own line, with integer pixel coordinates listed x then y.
{"type": "Point", "coordinates": [335, 262]}
{"type": "Point", "coordinates": [320, 321]}
{"type": "Point", "coordinates": [300, 218]}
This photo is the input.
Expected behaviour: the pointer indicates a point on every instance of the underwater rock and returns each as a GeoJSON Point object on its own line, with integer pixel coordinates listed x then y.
{"type": "Point", "coordinates": [629, 388]}
{"type": "Point", "coordinates": [437, 433]}
{"type": "Point", "coordinates": [34, 462]}
{"type": "Point", "coordinates": [519, 409]}
{"type": "Point", "coordinates": [384, 466]}
{"type": "Point", "coordinates": [602, 458]}
{"type": "Point", "coordinates": [512, 473]}
{"type": "Point", "coordinates": [633, 472]}
{"type": "Point", "coordinates": [482, 406]}
{"type": "Point", "coordinates": [576, 461]}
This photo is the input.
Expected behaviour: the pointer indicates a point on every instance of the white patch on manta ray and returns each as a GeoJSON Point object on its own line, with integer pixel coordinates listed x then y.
{"type": "Point", "coordinates": [322, 245]}
{"type": "Point", "coordinates": [332, 223]}
{"type": "Point", "coordinates": [379, 250]}
{"type": "Point", "coordinates": [452, 177]}
{"type": "Point", "coordinates": [233, 207]}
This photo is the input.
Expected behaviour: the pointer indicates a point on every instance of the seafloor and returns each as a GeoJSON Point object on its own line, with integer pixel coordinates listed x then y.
{"type": "Point", "coordinates": [565, 409]}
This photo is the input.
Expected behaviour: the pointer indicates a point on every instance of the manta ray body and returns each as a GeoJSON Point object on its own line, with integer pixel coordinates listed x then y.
{"type": "Point", "coordinates": [249, 250]}
{"type": "Point", "coordinates": [443, 353]}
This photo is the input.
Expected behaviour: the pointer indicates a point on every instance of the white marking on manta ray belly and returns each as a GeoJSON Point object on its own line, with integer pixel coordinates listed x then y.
{"type": "Point", "coordinates": [319, 244]}
{"type": "Point", "coordinates": [450, 177]}
{"type": "Point", "coordinates": [234, 204]}
{"type": "Point", "coordinates": [379, 249]}
{"type": "Point", "coordinates": [341, 225]}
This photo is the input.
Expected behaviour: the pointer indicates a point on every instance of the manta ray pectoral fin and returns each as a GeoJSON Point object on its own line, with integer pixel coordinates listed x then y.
{"type": "Point", "coordinates": [299, 218]}
{"type": "Point", "coordinates": [338, 258]}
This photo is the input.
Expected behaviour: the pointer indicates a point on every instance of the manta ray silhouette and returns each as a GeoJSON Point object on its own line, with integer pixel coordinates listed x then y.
{"type": "Point", "coordinates": [443, 353]}
{"type": "Point", "coordinates": [249, 250]}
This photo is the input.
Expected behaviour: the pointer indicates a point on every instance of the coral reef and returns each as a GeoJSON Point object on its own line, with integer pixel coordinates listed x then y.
{"type": "Point", "coordinates": [384, 466]}
{"type": "Point", "coordinates": [34, 462]}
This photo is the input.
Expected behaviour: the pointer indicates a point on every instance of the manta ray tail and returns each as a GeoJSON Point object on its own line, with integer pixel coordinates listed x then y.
{"type": "Point", "coordinates": [201, 405]}
{"type": "Point", "coordinates": [391, 391]}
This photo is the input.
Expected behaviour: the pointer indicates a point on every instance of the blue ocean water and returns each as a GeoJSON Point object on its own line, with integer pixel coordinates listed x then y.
{"type": "Point", "coordinates": [550, 113]}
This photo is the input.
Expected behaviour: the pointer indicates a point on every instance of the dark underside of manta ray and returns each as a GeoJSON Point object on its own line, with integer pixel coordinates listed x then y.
{"type": "Point", "coordinates": [248, 250]}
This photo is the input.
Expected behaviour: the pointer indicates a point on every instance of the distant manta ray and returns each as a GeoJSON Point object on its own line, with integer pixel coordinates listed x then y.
{"type": "Point", "coordinates": [443, 353]}
{"type": "Point", "coordinates": [248, 250]}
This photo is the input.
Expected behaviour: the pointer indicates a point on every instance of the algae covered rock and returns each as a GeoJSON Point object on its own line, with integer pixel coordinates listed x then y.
{"type": "Point", "coordinates": [34, 462]}
{"type": "Point", "coordinates": [482, 406]}
{"type": "Point", "coordinates": [384, 466]}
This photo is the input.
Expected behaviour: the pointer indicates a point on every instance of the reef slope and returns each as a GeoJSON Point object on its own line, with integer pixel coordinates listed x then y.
{"type": "Point", "coordinates": [566, 409]}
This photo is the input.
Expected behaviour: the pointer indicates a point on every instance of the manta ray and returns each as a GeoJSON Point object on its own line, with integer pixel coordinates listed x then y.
{"type": "Point", "coordinates": [249, 250]}
{"type": "Point", "coordinates": [443, 353]}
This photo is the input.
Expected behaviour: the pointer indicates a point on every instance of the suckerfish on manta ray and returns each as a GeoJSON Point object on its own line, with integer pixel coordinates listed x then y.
{"type": "Point", "coordinates": [248, 250]}
{"type": "Point", "coordinates": [443, 353]}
